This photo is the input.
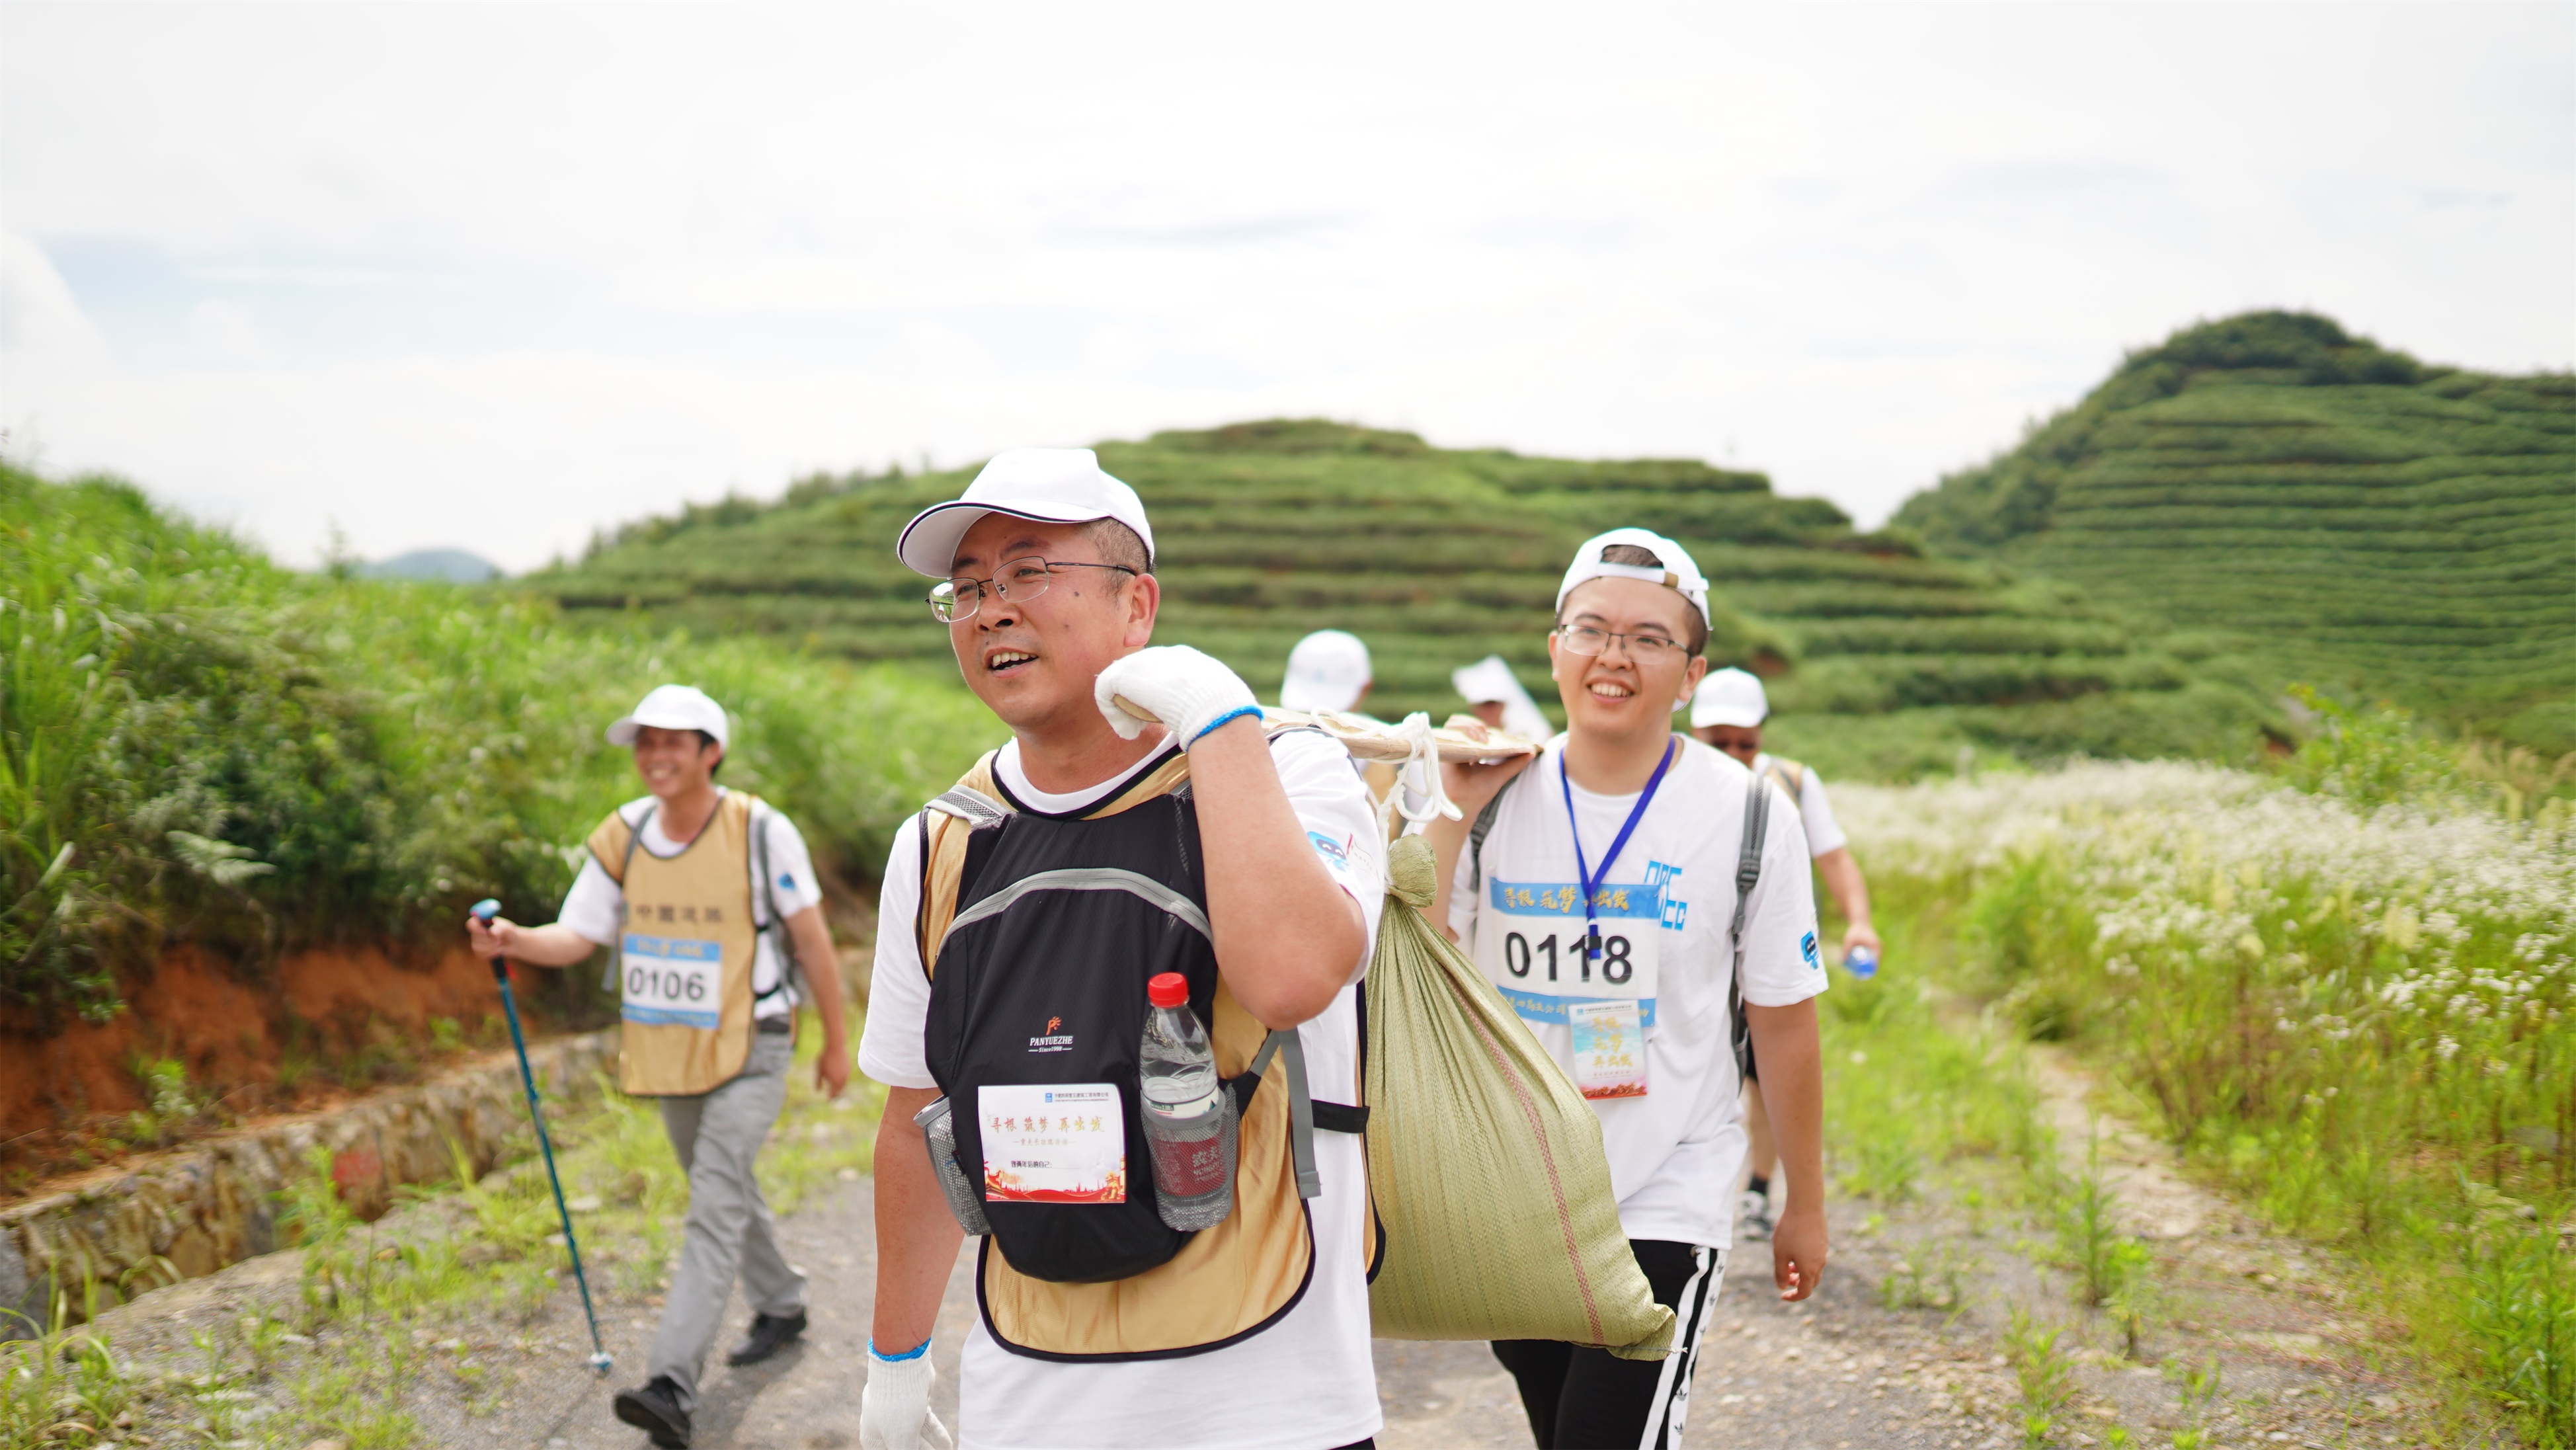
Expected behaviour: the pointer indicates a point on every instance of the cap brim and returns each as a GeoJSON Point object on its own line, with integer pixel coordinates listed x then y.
{"type": "Point", "coordinates": [1736, 718]}
{"type": "Point", "coordinates": [628, 727]}
{"type": "Point", "coordinates": [928, 545]}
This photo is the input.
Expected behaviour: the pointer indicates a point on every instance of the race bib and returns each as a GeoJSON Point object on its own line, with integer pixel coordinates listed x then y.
{"type": "Point", "coordinates": [672, 980]}
{"type": "Point", "coordinates": [1609, 1049]}
{"type": "Point", "coordinates": [1529, 944]}
{"type": "Point", "coordinates": [1053, 1143]}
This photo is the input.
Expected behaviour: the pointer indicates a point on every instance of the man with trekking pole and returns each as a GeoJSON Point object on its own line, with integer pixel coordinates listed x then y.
{"type": "Point", "coordinates": [1145, 871]}
{"type": "Point", "coordinates": [709, 902]}
{"type": "Point", "coordinates": [1627, 891]}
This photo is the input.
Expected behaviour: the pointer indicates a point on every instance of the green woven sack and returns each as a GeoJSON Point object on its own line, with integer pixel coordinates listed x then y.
{"type": "Point", "coordinates": [1485, 1162]}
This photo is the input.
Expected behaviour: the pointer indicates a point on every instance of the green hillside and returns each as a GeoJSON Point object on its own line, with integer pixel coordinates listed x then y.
{"type": "Point", "coordinates": [2323, 507]}
{"type": "Point", "coordinates": [1883, 661]}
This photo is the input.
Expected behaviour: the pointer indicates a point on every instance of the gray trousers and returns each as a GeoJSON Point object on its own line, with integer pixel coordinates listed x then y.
{"type": "Point", "coordinates": [718, 1136]}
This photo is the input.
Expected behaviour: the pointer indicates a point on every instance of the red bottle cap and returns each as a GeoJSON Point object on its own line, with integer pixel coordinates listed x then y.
{"type": "Point", "coordinates": [1170, 989]}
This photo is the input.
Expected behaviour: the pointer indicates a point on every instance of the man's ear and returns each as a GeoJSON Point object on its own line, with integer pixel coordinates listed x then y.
{"type": "Point", "coordinates": [1142, 600]}
{"type": "Point", "coordinates": [1692, 674]}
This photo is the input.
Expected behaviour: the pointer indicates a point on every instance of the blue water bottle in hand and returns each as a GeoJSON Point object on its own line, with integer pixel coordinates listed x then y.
{"type": "Point", "coordinates": [1861, 960]}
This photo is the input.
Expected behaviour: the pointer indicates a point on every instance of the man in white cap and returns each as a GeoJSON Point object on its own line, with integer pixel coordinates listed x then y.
{"type": "Point", "coordinates": [694, 885]}
{"type": "Point", "coordinates": [1494, 695]}
{"type": "Point", "coordinates": [1328, 672]}
{"type": "Point", "coordinates": [1599, 889]}
{"type": "Point", "coordinates": [1728, 713]}
{"type": "Point", "coordinates": [1139, 833]}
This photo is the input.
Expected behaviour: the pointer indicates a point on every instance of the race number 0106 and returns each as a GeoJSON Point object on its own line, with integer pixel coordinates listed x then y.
{"type": "Point", "coordinates": [651, 985]}
{"type": "Point", "coordinates": [1520, 958]}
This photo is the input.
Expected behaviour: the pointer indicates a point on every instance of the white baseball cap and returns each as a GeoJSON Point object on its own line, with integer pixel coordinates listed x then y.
{"type": "Point", "coordinates": [1053, 485]}
{"type": "Point", "coordinates": [1677, 572]}
{"type": "Point", "coordinates": [1490, 680]}
{"type": "Point", "coordinates": [1729, 697]}
{"type": "Point", "coordinates": [672, 707]}
{"type": "Point", "coordinates": [1327, 670]}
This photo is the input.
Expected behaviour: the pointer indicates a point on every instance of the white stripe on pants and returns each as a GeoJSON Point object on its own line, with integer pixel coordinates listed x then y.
{"type": "Point", "coordinates": [1672, 1392]}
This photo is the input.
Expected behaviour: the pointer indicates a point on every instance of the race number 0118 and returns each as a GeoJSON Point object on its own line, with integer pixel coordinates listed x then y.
{"type": "Point", "coordinates": [1617, 957]}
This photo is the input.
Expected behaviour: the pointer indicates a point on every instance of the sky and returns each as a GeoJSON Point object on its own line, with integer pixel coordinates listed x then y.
{"type": "Point", "coordinates": [498, 276]}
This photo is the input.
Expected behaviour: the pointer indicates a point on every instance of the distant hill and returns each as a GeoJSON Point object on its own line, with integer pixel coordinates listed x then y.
{"type": "Point", "coordinates": [2315, 504]}
{"type": "Point", "coordinates": [453, 566]}
{"type": "Point", "coordinates": [1882, 661]}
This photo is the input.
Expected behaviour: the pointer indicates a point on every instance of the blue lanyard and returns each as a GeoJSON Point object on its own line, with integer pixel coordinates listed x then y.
{"type": "Point", "coordinates": [1583, 873]}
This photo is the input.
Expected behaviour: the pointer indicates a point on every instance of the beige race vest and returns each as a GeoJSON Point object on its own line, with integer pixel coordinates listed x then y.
{"type": "Point", "coordinates": [1227, 1282]}
{"type": "Point", "coordinates": [684, 954]}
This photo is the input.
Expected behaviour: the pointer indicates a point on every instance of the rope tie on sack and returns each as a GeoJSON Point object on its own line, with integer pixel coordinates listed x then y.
{"type": "Point", "coordinates": [1423, 759]}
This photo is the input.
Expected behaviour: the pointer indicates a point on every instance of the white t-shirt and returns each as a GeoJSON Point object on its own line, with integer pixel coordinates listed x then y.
{"type": "Point", "coordinates": [1674, 1152]}
{"type": "Point", "coordinates": [1306, 1382]}
{"type": "Point", "coordinates": [1815, 813]}
{"type": "Point", "coordinates": [595, 907]}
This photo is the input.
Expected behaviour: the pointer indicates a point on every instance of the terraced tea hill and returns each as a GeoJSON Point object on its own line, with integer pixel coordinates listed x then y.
{"type": "Point", "coordinates": [1882, 660]}
{"type": "Point", "coordinates": [2329, 509]}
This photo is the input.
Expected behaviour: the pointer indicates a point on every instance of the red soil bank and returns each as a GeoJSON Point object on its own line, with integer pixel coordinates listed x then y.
{"type": "Point", "coordinates": [232, 1031]}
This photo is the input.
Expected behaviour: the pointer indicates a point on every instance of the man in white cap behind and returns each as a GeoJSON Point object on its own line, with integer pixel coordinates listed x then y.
{"type": "Point", "coordinates": [1598, 889]}
{"type": "Point", "coordinates": [1328, 672]}
{"type": "Point", "coordinates": [694, 885]}
{"type": "Point", "coordinates": [1494, 695]}
{"type": "Point", "coordinates": [1728, 712]}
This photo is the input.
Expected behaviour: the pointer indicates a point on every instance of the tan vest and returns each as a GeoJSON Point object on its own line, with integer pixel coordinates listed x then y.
{"type": "Point", "coordinates": [1790, 776]}
{"type": "Point", "coordinates": [1227, 1282]}
{"type": "Point", "coordinates": [684, 954]}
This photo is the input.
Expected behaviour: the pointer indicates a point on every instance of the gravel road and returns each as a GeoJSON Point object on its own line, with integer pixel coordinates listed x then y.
{"type": "Point", "coordinates": [2303, 1362]}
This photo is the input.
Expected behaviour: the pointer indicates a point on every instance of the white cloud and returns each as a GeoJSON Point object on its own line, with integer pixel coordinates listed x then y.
{"type": "Point", "coordinates": [500, 275]}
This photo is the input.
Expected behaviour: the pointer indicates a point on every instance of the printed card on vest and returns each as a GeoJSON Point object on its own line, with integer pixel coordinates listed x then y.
{"type": "Point", "coordinates": [672, 980]}
{"type": "Point", "coordinates": [1053, 1143]}
{"type": "Point", "coordinates": [1609, 1049]}
{"type": "Point", "coordinates": [1529, 944]}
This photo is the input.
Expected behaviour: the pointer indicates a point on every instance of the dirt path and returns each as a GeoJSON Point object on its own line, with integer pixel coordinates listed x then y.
{"type": "Point", "coordinates": [2297, 1364]}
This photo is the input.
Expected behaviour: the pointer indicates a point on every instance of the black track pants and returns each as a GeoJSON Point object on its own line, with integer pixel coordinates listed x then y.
{"type": "Point", "coordinates": [1589, 1399]}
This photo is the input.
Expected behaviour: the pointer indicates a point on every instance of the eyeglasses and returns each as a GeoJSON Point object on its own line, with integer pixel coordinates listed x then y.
{"type": "Point", "coordinates": [1017, 581]}
{"type": "Point", "coordinates": [1645, 649]}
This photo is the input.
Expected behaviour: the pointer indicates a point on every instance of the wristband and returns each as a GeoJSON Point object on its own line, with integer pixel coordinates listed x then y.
{"type": "Point", "coordinates": [916, 1352]}
{"type": "Point", "coordinates": [1236, 713]}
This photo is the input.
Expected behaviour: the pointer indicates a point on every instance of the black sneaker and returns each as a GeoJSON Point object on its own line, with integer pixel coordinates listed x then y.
{"type": "Point", "coordinates": [654, 1408]}
{"type": "Point", "coordinates": [769, 1334]}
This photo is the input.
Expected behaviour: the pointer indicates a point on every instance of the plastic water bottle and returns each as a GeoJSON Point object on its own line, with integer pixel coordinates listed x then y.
{"type": "Point", "coordinates": [1189, 1115]}
{"type": "Point", "coordinates": [1861, 961]}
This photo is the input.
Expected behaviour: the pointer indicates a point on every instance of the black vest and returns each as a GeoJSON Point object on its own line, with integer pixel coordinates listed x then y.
{"type": "Point", "coordinates": [1041, 980]}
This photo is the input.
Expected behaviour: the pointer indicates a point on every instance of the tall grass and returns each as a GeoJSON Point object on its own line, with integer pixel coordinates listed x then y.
{"type": "Point", "coordinates": [2351, 1003]}
{"type": "Point", "coordinates": [196, 743]}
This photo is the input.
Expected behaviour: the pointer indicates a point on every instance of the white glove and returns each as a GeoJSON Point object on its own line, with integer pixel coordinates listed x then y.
{"type": "Point", "coordinates": [1189, 692]}
{"type": "Point", "coordinates": [894, 1407]}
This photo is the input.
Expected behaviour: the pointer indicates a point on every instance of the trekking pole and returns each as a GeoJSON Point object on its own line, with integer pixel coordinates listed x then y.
{"type": "Point", "coordinates": [600, 1359]}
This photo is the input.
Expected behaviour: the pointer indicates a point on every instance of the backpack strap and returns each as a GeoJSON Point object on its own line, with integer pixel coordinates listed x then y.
{"type": "Point", "coordinates": [1484, 827]}
{"type": "Point", "coordinates": [1748, 870]}
{"type": "Point", "coordinates": [765, 889]}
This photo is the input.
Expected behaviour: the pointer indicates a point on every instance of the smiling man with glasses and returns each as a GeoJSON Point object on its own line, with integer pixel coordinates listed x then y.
{"type": "Point", "coordinates": [1600, 889]}
{"type": "Point", "coordinates": [1142, 819]}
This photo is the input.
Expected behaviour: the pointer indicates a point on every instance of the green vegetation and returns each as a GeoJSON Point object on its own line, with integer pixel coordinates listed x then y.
{"type": "Point", "coordinates": [2320, 506]}
{"type": "Point", "coordinates": [197, 744]}
{"type": "Point", "coordinates": [2351, 1004]}
{"type": "Point", "coordinates": [1884, 662]}
{"type": "Point", "coordinates": [449, 1292]}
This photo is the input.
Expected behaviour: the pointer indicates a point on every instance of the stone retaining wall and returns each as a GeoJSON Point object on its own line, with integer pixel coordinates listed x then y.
{"type": "Point", "coordinates": [192, 1212]}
